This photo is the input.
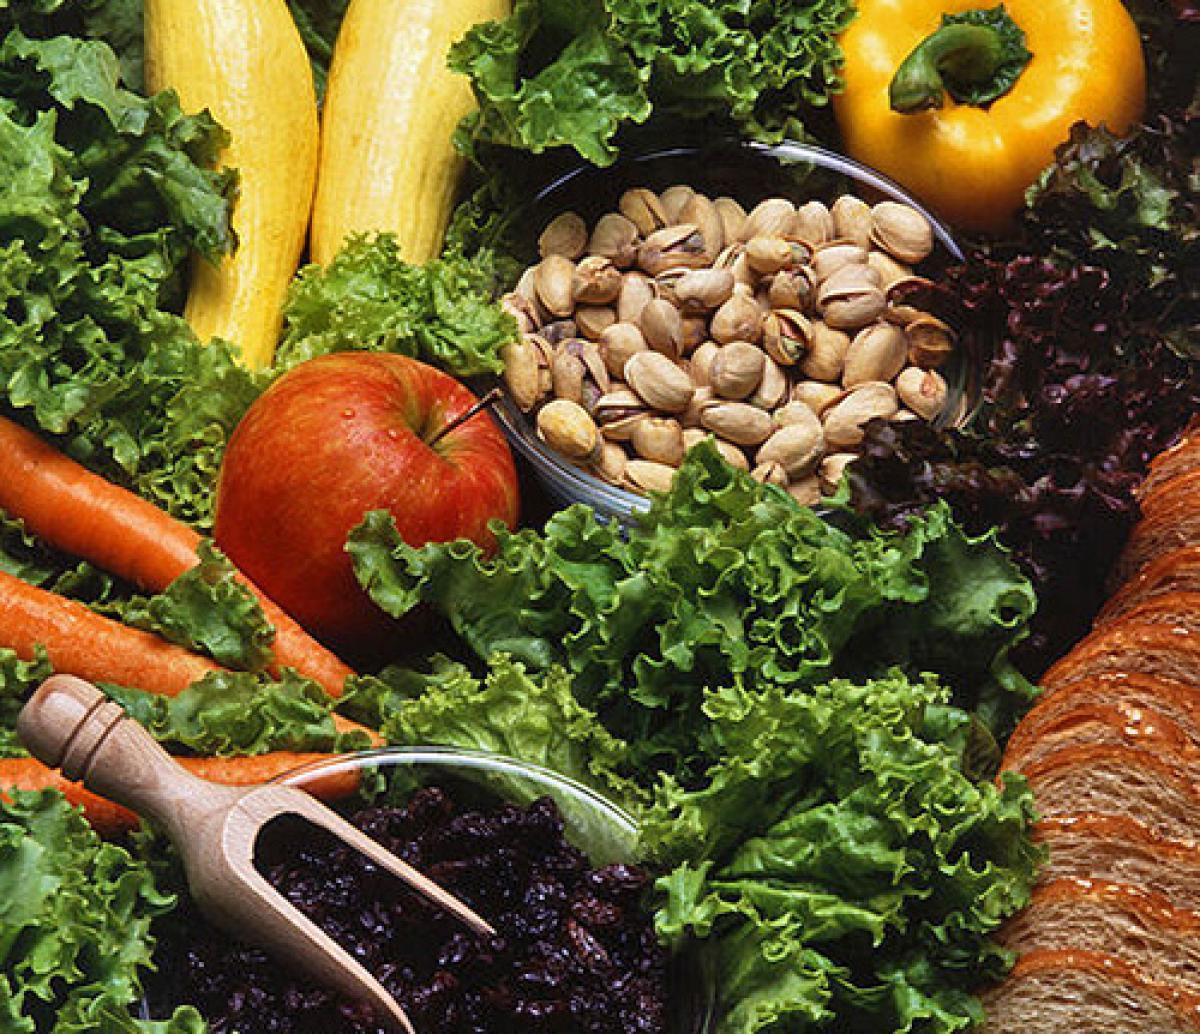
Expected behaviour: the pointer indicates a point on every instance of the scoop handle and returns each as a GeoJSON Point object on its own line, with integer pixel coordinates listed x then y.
{"type": "Point", "coordinates": [69, 724]}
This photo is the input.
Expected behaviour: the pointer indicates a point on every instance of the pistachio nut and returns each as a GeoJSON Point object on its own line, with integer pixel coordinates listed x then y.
{"type": "Point", "coordinates": [899, 310]}
{"type": "Point", "coordinates": [521, 377]}
{"type": "Point", "coordinates": [648, 476]}
{"type": "Point", "coordinates": [701, 212]}
{"type": "Point", "coordinates": [593, 362]}
{"type": "Point", "coordinates": [616, 239]}
{"type": "Point", "coordinates": [787, 336]}
{"type": "Point", "coordinates": [826, 353]}
{"type": "Point", "coordinates": [702, 360]}
{"type": "Point", "coordinates": [565, 235]}
{"type": "Point", "coordinates": [832, 468]}
{"type": "Point", "coordinates": [637, 290]}
{"type": "Point", "coordinates": [806, 491]}
{"type": "Point", "coordinates": [659, 382]}
{"type": "Point", "coordinates": [733, 217]}
{"type": "Point", "coordinates": [772, 389]}
{"type": "Point", "coordinates": [890, 271]}
{"type": "Point", "coordinates": [662, 327]}
{"type": "Point", "coordinates": [930, 342]}
{"type": "Point", "coordinates": [596, 281]}
{"type": "Point", "coordinates": [559, 331]}
{"type": "Point", "coordinates": [522, 310]}
{"type": "Point", "coordinates": [609, 462]}
{"type": "Point", "coordinates": [768, 255]}
{"type": "Point", "coordinates": [797, 447]}
{"type": "Point", "coordinates": [659, 439]}
{"type": "Point", "coordinates": [828, 258]}
{"type": "Point", "coordinates": [877, 353]}
{"type": "Point", "coordinates": [793, 289]}
{"type": "Point", "coordinates": [566, 427]}
{"type": "Point", "coordinates": [736, 370]}
{"type": "Point", "coordinates": [923, 391]}
{"type": "Point", "coordinates": [814, 395]}
{"type": "Point", "coordinates": [852, 220]}
{"type": "Point", "coordinates": [695, 333]}
{"type": "Point", "coordinates": [901, 231]}
{"type": "Point", "coordinates": [617, 343]}
{"type": "Point", "coordinates": [618, 413]}
{"type": "Point", "coordinates": [593, 320]}
{"type": "Point", "coordinates": [730, 453]}
{"type": "Point", "coordinates": [738, 422]}
{"type": "Point", "coordinates": [567, 373]}
{"type": "Point", "coordinates": [904, 416]}
{"type": "Point", "coordinates": [690, 417]}
{"type": "Point", "coordinates": [770, 473]}
{"type": "Point", "coordinates": [553, 279]}
{"type": "Point", "coordinates": [844, 420]}
{"type": "Point", "coordinates": [813, 223]}
{"type": "Point", "coordinates": [674, 199]}
{"type": "Point", "coordinates": [739, 319]}
{"type": "Point", "coordinates": [675, 247]}
{"type": "Point", "coordinates": [643, 208]}
{"type": "Point", "coordinates": [851, 297]}
{"type": "Point", "coordinates": [702, 290]}
{"type": "Point", "coordinates": [693, 436]}
{"type": "Point", "coordinates": [770, 218]}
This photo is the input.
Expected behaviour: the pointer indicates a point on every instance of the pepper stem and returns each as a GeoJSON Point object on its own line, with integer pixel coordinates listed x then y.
{"type": "Point", "coordinates": [975, 56]}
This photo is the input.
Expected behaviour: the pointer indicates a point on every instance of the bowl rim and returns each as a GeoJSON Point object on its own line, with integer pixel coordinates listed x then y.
{"type": "Point", "coordinates": [466, 759]}
{"type": "Point", "coordinates": [573, 484]}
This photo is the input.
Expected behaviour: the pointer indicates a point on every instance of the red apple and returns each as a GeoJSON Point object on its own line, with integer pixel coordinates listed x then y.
{"type": "Point", "coordinates": [334, 438]}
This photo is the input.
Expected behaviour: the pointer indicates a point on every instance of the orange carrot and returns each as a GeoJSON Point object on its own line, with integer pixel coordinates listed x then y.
{"type": "Point", "coordinates": [78, 512]}
{"type": "Point", "coordinates": [111, 819]}
{"type": "Point", "coordinates": [84, 643]}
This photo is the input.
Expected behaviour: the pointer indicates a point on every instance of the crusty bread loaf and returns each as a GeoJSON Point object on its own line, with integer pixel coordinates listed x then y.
{"type": "Point", "coordinates": [1182, 458]}
{"type": "Point", "coordinates": [1160, 791]}
{"type": "Point", "coordinates": [1176, 571]}
{"type": "Point", "coordinates": [1080, 992]}
{"type": "Point", "coordinates": [1119, 849]}
{"type": "Point", "coordinates": [1134, 647]}
{"type": "Point", "coordinates": [1159, 941]}
{"type": "Point", "coordinates": [1136, 727]}
{"type": "Point", "coordinates": [1173, 523]}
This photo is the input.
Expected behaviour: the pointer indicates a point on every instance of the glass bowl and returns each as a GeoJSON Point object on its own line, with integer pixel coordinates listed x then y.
{"type": "Point", "coordinates": [602, 830]}
{"type": "Point", "coordinates": [748, 172]}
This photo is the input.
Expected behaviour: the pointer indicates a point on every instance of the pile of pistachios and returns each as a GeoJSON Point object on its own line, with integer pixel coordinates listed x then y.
{"type": "Point", "coordinates": [778, 333]}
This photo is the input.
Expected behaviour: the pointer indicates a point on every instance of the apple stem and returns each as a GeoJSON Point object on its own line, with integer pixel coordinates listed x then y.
{"type": "Point", "coordinates": [488, 400]}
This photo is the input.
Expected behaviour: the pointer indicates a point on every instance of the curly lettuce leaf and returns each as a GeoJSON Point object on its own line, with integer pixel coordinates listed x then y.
{"type": "Point", "coordinates": [838, 860]}
{"type": "Point", "coordinates": [574, 74]}
{"type": "Point", "coordinates": [18, 679]}
{"type": "Point", "coordinates": [208, 610]}
{"type": "Point", "coordinates": [369, 299]}
{"type": "Point", "coordinates": [75, 916]}
{"type": "Point", "coordinates": [723, 579]}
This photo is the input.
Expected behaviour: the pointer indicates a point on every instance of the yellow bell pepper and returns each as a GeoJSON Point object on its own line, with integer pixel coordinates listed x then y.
{"type": "Point", "coordinates": [1017, 78]}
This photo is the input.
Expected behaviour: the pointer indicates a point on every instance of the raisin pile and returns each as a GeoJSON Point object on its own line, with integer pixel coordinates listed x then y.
{"type": "Point", "coordinates": [574, 949]}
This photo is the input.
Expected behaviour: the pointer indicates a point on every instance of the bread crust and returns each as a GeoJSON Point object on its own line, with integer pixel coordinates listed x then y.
{"type": "Point", "coordinates": [1175, 571]}
{"type": "Point", "coordinates": [1135, 647]}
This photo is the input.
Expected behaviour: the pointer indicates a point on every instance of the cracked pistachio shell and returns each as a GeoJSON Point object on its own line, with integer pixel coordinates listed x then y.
{"type": "Point", "coordinates": [736, 370]}
{"type": "Point", "coordinates": [852, 220]}
{"type": "Point", "coordinates": [793, 289]}
{"type": "Point", "coordinates": [773, 217]}
{"type": "Point", "coordinates": [833, 255]}
{"type": "Point", "coordinates": [521, 372]}
{"type": "Point", "coordinates": [700, 211]}
{"type": "Point", "coordinates": [930, 342]}
{"type": "Point", "coordinates": [806, 491]}
{"type": "Point", "coordinates": [593, 320]}
{"type": "Point", "coordinates": [923, 391]}
{"type": "Point", "coordinates": [797, 447]}
{"type": "Point", "coordinates": [851, 298]}
{"type": "Point", "coordinates": [901, 231]}
{"type": "Point", "coordinates": [659, 439]}
{"type": "Point", "coordinates": [733, 217]}
{"type": "Point", "coordinates": [832, 468]}
{"type": "Point", "coordinates": [565, 235]}
{"type": "Point", "coordinates": [522, 310]}
{"type": "Point", "coordinates": [567, 373]}
{"type": "Point", "coordinates": [768, 255]}
{"type": "Point", "coordinates": [826, 353]}
{"type": "Point", "coordinates": [674, 199]}
{"type": "Point", "coordinates": [844, 421]}
{"type": "Point", "coordinates": [566, 427]}
{"type": "Point", "coordinates": [890, 271]}
{"type": "Point", "coordinates": [616, 239]}
{"type": "Point", "coordinates": [787, 336]}
{"type": "Point", "coordinates": [659, 382]}
{"type": "Point", "coordinates": [770, 473]}
{"type": "Point", "coordinates": [815, 395]}
{"type": "Point", "coordinates": [739, 319]}
{"type": "Point", "coordinates": [553, 280]}
{"type": "Point", "coordinates": [675, 247]}
{"type": "Point", "coordinates": [643, 208]}
{"type": "Point", "coordinates": [662, 327]}
{"type": "Point", "coordinates": [617, 343]}
{"type": "Point", "coordinates": [738, 422]}
{"type": "Point", "coordinates": [609, 463]}
{"type": "Point", "coordinates": [813, 223]}
{"type": "Point", "coordinates": [637, 290]}
{"type": "Point", "coordinates": [702, 290]}
{"type": "Point", "coordinates": [877, 353]}
{"type": "Point", "coordinates": [596, 281]}
{"type": "Point", "coordinates": [702, 360]}
{"type": "Point", "coordinates": [690, 417]}
{"type": "Point", "coordinates": [648, 476]}
{"type": "Point", "coordinates": [772, 389]}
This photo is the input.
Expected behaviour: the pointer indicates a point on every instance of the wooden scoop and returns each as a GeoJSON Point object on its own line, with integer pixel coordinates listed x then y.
{"type": "Point", "coordinates": [70, 724]}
